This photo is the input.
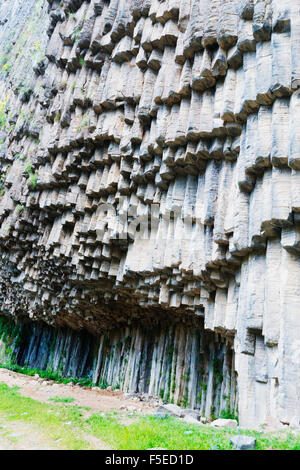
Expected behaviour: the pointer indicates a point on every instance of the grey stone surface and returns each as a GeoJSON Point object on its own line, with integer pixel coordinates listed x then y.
{"type": "Point", "coordinates": [224, 423]}
{"type": "Point", "coordinates": [191, 106]}
{"type": "Point", "coordinates": [170, 409]}
{"type": "Point", "coordinates": [160, 415]}
{"type": "Point", "coordinates": [192, 413]}
{"type": "Point", "coordinates": [191, 420]}
{"type": "Point", "coordinates": [242, 442]}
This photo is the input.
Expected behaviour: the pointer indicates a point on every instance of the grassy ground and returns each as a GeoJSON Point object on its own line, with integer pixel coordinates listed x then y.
{"type": "Point", "coordinates": [62, 399]}
{"type": "Point", "coordinates": [59, 423]}
{"type": "Point", "coordinates": [148, 432]}
{"type": "Point", "coordinates": [65, 423]}
{"type": "Point", "coordinates": [48, 374]}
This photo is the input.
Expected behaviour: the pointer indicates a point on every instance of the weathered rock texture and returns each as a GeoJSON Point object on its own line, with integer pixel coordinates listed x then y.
{"type": "Point", "coordinates": [176, 364]}
{"type": "Point", "coordinates": [192, 106]}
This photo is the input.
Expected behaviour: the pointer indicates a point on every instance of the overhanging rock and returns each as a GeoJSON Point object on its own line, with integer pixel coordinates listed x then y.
{"type": "Point", "coordinates": [150, 160]}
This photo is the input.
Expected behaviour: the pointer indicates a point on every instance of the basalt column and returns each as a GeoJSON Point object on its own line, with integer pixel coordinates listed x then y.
{"type": "Point", "coordinates": [182, 365]}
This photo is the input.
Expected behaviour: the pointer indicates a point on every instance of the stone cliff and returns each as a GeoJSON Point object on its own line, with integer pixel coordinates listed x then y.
{"type": "Point", "coordinates": [149, 197]}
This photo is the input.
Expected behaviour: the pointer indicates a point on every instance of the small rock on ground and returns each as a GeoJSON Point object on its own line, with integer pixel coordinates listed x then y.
{"type": "Point", "coordinates": [131, 408]}
{"type": "Point", "coordinates": [224, 423]}
{"type": "Point", "coordinates": [241, 442]}
{"type": "Point", "coordinates": [170, 409]}
{"type": "Point", "coordinates": [193, 413]}
{"type": "Point", "coordinates": [190, 420]}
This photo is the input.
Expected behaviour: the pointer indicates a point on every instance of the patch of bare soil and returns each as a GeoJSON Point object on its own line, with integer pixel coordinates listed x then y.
{"type": "Point", "coordinates": [24, 436]}
{"type": "Point", "coordinates": [94, 398]}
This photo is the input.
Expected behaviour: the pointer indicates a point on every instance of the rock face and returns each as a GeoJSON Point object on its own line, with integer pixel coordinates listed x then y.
{"type": "Point", "coordinates": [176, 364]}
{"type": "Point", "coordinates": [149, 156]}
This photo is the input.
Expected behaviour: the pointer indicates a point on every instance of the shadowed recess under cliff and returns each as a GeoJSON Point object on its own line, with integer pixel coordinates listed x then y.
{"type": "Point", "coordinates": [186, 366]}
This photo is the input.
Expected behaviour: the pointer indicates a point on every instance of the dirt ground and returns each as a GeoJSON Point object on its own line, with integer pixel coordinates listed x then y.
{"type": "Point", "coordinates": [17, 435]}
{"type": "Point", "coordinates": [24, 436]}
{"type": "Point", "coordinates": [93, 398]}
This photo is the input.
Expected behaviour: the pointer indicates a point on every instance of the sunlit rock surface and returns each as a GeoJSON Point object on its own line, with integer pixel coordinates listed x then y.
{"type": "Point", "coordinates": [182, 117]}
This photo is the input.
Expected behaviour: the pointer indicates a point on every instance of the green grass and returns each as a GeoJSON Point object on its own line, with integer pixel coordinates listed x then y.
{"type": "Point", "coordinates": [28, 169]}
{"type": "Point", "coordinates": [56, 422]}
{"type": "Point", "coordinates": [51, 375]}
{"type": "Point", "coordinates": [62, 399]}
{"type": "Point", "coordinates": [19, 208]}
{"type": "Point", "coordinates": [33, 178]}
{"type": "Point", "coordinates": [46, 374]}
{"type": "Point", "coordinates": [147, 432]}
{"type": "Point", "coordinates": [2, 112]}
{"type": "Point", "coordinates": [66, 422]}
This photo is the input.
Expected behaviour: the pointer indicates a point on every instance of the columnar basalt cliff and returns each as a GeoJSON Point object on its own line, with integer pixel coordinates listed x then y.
{"type": "Point", "coordinates": [150, 192]}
